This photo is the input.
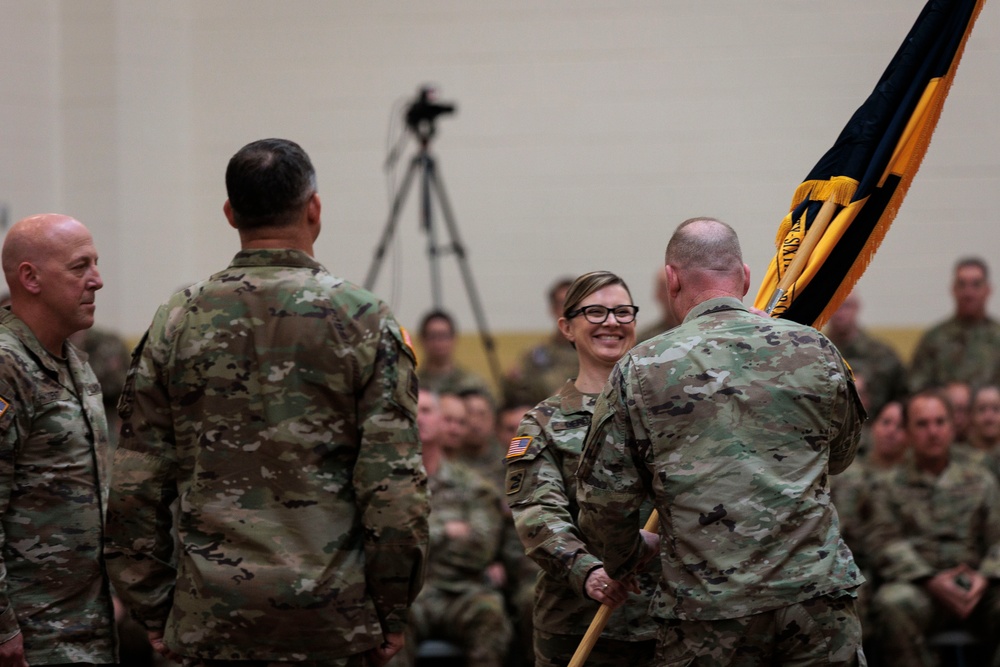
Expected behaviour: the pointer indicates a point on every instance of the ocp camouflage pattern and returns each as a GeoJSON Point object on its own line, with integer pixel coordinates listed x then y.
{"type": "Point", "coordinates": [956, 351]}
{"type": "Point", "coordinates": [53, 483]}
{"type": "Point", "coordinates": [733, 423]}
{"type": "Point", "coordinates": [541, 491]}
{"type": "Point", "coordinates": [275, 404]}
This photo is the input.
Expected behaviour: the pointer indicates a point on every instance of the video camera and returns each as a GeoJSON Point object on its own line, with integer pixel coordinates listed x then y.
{"type": "Point", "coordinates": [422, 112]}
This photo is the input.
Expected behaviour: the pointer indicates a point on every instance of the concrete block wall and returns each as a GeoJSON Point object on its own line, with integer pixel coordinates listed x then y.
{"type": "Point", "coordinates": [585, 132]}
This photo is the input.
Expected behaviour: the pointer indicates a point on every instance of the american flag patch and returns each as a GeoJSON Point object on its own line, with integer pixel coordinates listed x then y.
{"type": "Point", "coordinates": [4, 404]}
{"type": "Point", "coordinates": [518, 446]}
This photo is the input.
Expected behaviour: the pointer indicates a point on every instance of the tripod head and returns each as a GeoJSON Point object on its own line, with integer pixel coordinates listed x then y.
{"type": "Point", "coordinates": [423, 111]}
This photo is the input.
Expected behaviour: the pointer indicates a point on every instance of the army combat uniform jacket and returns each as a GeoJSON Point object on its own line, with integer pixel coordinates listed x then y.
{"type": "Point", "coordinates": [732, 422]}
{"type": "Point", "coordinates": [459, 493]}
{"type": "Point", "coordinates": [541, 491]}
{"type": "Point", "coordinates": [276, 404]}
{"type": "Point", "coordinates": [53, 477]}
{"type": "Point", "coordinates": [956, 350]}
{"type": "Point", "coordinates": [879, 365]}
{"type": "Point", "coordinates": [924, 523]}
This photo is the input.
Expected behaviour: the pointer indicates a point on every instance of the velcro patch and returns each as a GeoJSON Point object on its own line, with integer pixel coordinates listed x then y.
{"type": "Point", "coordinates": [4, 405]}
{"type": "Point", "coordinates": [518, 446]}
{"type": "Point", "coordinates": [407, 340]}
{"type": "Point", "coordinates": [515, 480]}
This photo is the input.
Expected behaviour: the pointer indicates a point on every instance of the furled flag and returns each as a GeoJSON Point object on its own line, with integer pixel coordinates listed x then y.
{"type": "Point", "coordinates": [842, 210]}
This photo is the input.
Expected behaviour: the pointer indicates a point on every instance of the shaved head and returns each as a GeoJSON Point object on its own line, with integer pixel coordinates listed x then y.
{"type": "Point", "coordinates": [50, 264]}
{"type": "Point", "coordinates": [703, 261]}
{"type": "Point", "coordinates": [29, 240]}
{"type": "Point", "coordinates": [706, 244]}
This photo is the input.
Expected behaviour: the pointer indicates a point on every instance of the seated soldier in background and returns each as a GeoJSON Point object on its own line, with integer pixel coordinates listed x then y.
{"type": "Point", "coordinates": [959, 397]}
{"type": "Point", "coordinates": [109, 357]}
{"type": "Point", "coordinates": [460, 600]}
{"type": "Point", "coordinates": [885, 374]}
{"type": "Point", "coordinates": [453, 423]}
{"type": "Point", "coordinates": [509, 416]}
{"type": "Point", "coordinates": [966, 346]}
{"type": "Point", "coordinates": [984, 427]}
{"type": "Point", "coordinates": [480, 449]}
{"type": "Point", "coordinates": [851, 491]}
{"type": "Point", "coordinates": [437, 369]}
{"type": "Point", "coordinates": [984, 418]}
{"type": "Point", "coordinates": [935, 533]}
{"type": "Point", "coordinates": [524, 571]}
{"type": "Point", "coordinates": [545, 367]}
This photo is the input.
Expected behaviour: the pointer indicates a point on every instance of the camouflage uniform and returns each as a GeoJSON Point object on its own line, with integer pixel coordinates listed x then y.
{"type": "Point", "coordinates": [488, 462]}
{"type": "Point", "coordinates": [454, 381]}
{"type": "Point", "coordinates": [546, 367]}
{"type": "Point", "coordinates": [458, 602]}
{"type": "Point", "coordinates": [923, 524]}
{"type": "Point", "coordinates": [276, 402]}
{"type": "Point", "coordinates": [732, 422]}
{"type": "Point", "coordinates": [108, 356]}
{"type": "Point", "coordinates": [851, 494]}
{"type": "Point", "coordinates": [519, 591]}
{"type": "Point", "coordinates": [53, 476]}
{"type": "Point", "coordinates": [651, 330]}
{"type": "Point", "coordinates": [880, 366]}
{"type": "Point", "coordinates": [541, 490]}
{"type": "Point", "coordinates": [954, 350]}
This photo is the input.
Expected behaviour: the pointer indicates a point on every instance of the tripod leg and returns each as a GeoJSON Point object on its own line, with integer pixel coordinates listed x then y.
{"type": "Point", "coordinates": [427, 221]}
{"type": "Point", "coordinates": [390, 225]}
{"type": "Point", "coordinates": [470, 287]}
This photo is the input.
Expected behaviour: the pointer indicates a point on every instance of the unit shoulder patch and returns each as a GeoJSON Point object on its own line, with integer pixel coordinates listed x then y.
{"type": "Point", "coordinates": [515, 480]}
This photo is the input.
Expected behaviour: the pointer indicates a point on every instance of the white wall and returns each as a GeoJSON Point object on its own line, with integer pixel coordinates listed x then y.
{"type": "Point", "coordinates": [585, 132]}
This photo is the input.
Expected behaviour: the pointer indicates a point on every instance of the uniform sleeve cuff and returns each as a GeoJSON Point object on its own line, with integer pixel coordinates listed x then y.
{"type": "Point", "coordinates": [580, 571]}
{"type": "Point", "coordinates": [8, 625]}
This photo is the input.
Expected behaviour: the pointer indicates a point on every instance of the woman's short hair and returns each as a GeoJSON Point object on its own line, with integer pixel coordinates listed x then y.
{"type": "Point", "coordinates": [587, 284]}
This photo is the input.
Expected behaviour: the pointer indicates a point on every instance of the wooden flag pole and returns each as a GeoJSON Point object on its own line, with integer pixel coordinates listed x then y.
{"type": "Point", "coordinates": [812, 237]}
{"type": "Point", "coordinates": [603, 614]}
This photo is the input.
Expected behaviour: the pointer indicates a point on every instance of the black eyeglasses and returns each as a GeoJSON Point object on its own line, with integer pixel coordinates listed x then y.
{"type": "Point", "coordinates": [599, 314]}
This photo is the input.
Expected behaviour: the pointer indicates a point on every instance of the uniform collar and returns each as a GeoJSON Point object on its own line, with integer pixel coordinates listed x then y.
{"type": "Point", "coordinates": [716, 305]}
{"type": "Point", "coordinates": [572, 400]}
{"type": "Point", "coordinates": [27, 337]}
{"type": "Point", "coordinates": [275, 257]}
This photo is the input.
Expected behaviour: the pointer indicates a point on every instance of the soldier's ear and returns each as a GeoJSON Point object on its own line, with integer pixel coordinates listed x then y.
{"type": "Point", "coordinates": [564, 327]}
{"type": "Point", "coordinates": [746, 279]}
{"type": "Point", "coordinates": [673, 281]}
{"type": "Point", "coordinates": [228, 210]}
{"type": "Point", "coordinates": [313, 209]}
{"type": "Point", "coordinates": [27, 275]}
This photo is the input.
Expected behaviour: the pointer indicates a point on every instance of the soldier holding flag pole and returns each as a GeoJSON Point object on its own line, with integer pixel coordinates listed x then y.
{"type": "Point", "coordinates": [842, 210]}
{"type": "Point", "coordinates": [733, 424]}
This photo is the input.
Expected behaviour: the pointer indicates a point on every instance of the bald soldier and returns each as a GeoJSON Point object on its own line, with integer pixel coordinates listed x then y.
{"type": "Point", "coordinates": [55, 601]}
{"type": "Point", "coordinates": [732, 423]}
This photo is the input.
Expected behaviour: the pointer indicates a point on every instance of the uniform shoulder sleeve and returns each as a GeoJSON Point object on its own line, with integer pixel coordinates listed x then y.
{"type": "Point", "coordinates": [531, 439]}
{"type": "Point", "coordinates": [848, 416]}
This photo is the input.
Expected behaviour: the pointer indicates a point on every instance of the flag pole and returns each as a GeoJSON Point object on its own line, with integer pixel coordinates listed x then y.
{"type": "Point", "coordinates": [604, 613]}
{"type": "Point", "coordinates": [801, 259]}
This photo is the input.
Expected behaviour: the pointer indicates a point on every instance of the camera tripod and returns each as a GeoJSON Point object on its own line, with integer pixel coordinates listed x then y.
{"type": "Point", "coordinates": [431, 187]}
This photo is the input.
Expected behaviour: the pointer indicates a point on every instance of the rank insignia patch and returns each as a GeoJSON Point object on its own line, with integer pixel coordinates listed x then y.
{"type": "Point", "coordinates": [518, 446]}
{"type": "Point", "coordinates": [514, 481]}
